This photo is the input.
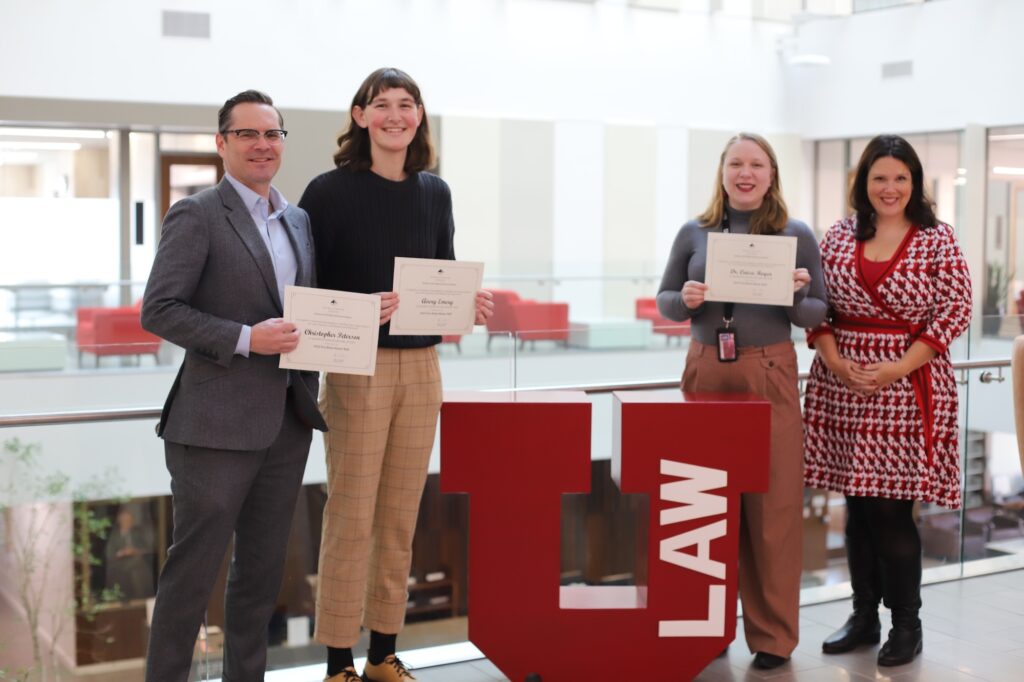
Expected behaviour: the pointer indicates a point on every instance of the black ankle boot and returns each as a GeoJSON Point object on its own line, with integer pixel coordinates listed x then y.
{"type": "Point", "coordinates": [905, 638]}
{"type": "Point", "coordinates": [862, 627]}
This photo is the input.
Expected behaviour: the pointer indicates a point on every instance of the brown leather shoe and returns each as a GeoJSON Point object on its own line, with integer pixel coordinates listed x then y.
{"type": "Point", "coordinates": [346, 675]}
{"type": "Point", "coordinates": [391, 670]}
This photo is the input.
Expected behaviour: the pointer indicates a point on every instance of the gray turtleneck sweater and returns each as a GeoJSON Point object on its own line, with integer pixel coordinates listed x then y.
{"type": "Point", "coordinates": [756, 325]}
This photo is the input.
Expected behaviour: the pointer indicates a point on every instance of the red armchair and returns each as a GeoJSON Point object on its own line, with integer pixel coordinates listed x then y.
{"type": "Point", "coordinates": [647, 309]}
{"type": "Point", "coordinates": [530, 320]}
{"type": "Point", "coordinates": [455, 339]}
{"type": "Point", "coordinates": [113, 331]}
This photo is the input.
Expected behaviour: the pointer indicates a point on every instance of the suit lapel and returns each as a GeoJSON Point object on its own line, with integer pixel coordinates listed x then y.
{"type": "Point", "coordinates": [300, 247]}
{"type": "Point", "coordinates": [238, 218]}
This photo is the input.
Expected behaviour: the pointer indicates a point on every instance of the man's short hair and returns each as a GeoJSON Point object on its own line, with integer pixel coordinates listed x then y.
{"type": "Point", "coordinates": [246, 96]}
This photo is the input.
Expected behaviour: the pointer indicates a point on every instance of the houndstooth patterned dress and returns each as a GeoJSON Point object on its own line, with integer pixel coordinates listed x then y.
{"type": "Point", "coordinates": [901, 442]}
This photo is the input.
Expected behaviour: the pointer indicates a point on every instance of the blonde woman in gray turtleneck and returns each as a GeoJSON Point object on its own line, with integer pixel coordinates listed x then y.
{"type": "Point", "coordinates": [748, 200]}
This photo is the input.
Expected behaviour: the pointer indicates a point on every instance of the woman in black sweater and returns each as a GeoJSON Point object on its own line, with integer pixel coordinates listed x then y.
{"type": "Point", "coordinates": [376, 205]}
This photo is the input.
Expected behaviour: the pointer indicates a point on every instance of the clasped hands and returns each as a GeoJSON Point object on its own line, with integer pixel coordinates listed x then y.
{"type": "Point", "coordinates": [693, 291]}
{"type": "Point", "coordinates": [866, 380]}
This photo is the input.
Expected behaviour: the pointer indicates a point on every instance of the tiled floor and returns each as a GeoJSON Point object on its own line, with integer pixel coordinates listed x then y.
{"type": "Point", "coordinates": [973, 630]}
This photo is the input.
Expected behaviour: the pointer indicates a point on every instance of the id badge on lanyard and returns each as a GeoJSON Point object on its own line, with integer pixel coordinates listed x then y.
{"type": "Point", "coordinates": [728, 346]}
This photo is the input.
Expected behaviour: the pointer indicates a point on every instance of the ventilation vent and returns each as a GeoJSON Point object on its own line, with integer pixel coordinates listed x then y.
{"type": "Point", "coordinates": [897, 69]}
{"type": "Point", "coordinates": [186, 24]}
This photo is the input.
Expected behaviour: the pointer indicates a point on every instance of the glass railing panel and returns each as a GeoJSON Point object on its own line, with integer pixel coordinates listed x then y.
{"type": "Point", "coordinates": [993, 514]}
{"type": "Point", "coordinates": [33, 305]}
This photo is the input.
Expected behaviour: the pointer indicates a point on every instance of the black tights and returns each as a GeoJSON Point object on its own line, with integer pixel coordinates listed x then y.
{"type": "Point", "coordinates": [884, 551]}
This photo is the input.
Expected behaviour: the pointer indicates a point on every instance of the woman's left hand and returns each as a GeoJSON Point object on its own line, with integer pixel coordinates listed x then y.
{"type": "Point", "coordinates": [388, 305]}
{"type": "Point", "coordinates": [801, 278]}
{"type": "Point", "coordinates": [484, 306]}
{"type": "Point", "coordinates": [879, 375]}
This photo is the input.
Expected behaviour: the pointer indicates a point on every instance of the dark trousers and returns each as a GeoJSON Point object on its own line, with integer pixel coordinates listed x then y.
{"type": "Point", "coordinates": [217, 493]}
{"type": "Point", "coordinates": [884, 553]}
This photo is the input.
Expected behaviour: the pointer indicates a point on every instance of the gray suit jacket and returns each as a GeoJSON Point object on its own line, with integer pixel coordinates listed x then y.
{"type": "Point", "coordinates": [211, 275]}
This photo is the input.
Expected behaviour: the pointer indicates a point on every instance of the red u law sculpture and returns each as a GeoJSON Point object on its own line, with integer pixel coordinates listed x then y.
{"type": "Point", "coordinates": [517, 454]}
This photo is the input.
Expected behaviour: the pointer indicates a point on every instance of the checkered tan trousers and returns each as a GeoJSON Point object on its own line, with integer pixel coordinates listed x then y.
{"type": "Point", "coordinates": [381, 434]}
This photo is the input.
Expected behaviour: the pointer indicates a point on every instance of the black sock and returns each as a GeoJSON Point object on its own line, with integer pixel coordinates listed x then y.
{"type": "Point", "coordinates": [381, 646]}
{"type": "Point", "coordinates": [338, 660]}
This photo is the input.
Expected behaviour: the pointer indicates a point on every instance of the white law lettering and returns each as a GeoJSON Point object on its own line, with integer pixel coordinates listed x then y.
{"type": "Point", "coordinates": [695, 503]}
{"type": "Point", "coordinates": [690, 492]}
{"type": "Point", "coordinates": [714, 626]}
{"type": "Point", "coordinates": [700, 561]}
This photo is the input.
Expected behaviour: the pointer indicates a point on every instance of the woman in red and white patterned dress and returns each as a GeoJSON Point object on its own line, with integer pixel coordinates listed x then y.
{"type": "Point", "coordinates": [881, 404]}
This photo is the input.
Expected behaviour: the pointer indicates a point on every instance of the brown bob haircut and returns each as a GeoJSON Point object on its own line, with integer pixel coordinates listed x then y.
{"type": "Point", "coordinates": [920, 210]}
{"type": "Point", "coordinates": [772, 215]}
{"type": "Point", "coordinates": [354, 143]}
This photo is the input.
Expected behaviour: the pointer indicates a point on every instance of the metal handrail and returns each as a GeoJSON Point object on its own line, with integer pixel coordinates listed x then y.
{"type": "Point", "coordinates": [131, 414]}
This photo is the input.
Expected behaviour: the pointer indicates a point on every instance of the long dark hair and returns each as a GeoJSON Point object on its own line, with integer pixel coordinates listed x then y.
{"type": "Point", "coordinates": [772, 215]}
{"type": "Point", "coordinates": [354, 143]}
{"type": "Point", "coordinates": [920, 210]}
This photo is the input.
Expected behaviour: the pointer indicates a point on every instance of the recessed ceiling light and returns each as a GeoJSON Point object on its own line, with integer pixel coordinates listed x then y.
{"type": "Point", "coordinates": [808, 60]}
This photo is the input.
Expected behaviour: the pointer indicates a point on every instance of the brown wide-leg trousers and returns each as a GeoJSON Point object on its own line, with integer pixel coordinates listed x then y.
{"type": "Point", "coordinates": [771, 524]}
{"type": "Point", "coordinates": [378, 447]}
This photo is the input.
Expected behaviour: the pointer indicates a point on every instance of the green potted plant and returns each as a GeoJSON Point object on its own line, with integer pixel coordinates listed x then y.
{"type": "Point", "coordinates": [45, 523]}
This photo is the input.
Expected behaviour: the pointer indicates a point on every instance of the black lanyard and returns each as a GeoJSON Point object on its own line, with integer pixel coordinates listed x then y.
{"type": "Point", "coordinates": [727, 308]}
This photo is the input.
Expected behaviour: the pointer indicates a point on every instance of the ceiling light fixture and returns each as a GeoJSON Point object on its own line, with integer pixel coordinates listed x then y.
{"type": "Point", "coordinates": [41, 146]}
{"type": "Point", "coordinates": [808, 60]}
{"type": "Point", "coordinates": [53, 132]}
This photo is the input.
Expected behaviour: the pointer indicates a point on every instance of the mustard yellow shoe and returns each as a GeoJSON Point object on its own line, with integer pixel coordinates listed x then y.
{"type": "Point", "coordinates": [346, 675]}
{"type": "Point", "coordinates": [391, 670]}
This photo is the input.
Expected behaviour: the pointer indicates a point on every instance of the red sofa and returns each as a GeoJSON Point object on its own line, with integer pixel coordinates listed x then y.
{"type": "Point", "coordinates": [528, 320]}
{"type": "Point", "coordinates": [647, 309]}
{"type": "Point", "coordinates": [113, 331]}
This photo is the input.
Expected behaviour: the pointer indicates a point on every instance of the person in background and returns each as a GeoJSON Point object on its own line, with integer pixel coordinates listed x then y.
{"type": "Point", "coordinates": [748, 349]}
{"type": "Point", "coordinates": [881, 404]}
{"type": "Point", "coordinates": [379, 203]}
{"type": "Point", "coordinates": [129, 557]}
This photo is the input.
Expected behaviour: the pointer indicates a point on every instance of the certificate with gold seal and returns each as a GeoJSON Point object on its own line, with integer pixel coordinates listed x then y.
{"type": "Point", "coordinates": [749, 268]}
{"type": "Point", "coordinates": [337, 330]}
{"type": "Point", "coordinates": [435, 296]}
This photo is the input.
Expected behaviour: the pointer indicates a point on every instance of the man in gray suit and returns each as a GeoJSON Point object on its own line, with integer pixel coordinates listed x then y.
{"type": "Point", "coordinates": [236, 427]}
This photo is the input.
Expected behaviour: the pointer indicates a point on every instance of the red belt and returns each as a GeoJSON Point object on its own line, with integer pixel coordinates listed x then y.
{"type": "Point", "coordinates": [920, 378]}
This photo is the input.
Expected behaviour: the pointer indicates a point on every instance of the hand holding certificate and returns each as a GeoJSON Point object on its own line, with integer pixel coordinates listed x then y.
{"type": "Point", "coordinates": [337, 330]}
{"type": "Point", "coordinates": [436, 296]}
{"type": "Point", "coordinates": [746, 268]}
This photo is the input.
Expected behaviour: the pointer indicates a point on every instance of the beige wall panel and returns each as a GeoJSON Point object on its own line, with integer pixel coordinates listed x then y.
{"type": "Point", "coordinates": [527, 201]}
{"type": "Point", "coordinates": [789, 150]}
{"type": "Point", "coordinates": [18, 181]}
{"type": "Point", "coordinates": [312, 140]}
{"type": "Point", "coordinates": [92, 173]}
{"type": "Point", "coordinates": [631, 162]}
{"type": "Point", "coordinates": [705, 151]}
{"type": "Point", "coordinates": [470, 152]}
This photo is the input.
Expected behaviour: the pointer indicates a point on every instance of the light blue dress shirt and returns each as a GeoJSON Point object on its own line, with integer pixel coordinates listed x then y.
{"type": "Point", "coordinates": [273, 232]}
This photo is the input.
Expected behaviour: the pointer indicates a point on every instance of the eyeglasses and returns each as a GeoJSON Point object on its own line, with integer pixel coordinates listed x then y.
{"type": "Point", "coordinates": [273, 136]}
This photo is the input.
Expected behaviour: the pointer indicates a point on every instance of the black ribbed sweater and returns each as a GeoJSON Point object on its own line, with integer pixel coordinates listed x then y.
{"type": "Point", "coordinates": [362, 221]}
